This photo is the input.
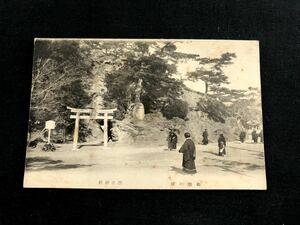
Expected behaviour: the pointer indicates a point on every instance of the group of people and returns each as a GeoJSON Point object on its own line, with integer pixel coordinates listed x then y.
{"type": "Point", "coordinates": [221, 142]}
{"type": "Point", "coordinates": [189, 150]}
{"type": "Point", "coordinates": [254, 136]}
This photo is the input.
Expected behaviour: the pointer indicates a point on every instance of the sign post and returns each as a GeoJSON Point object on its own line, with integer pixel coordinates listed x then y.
{"type": "Point", "coordinates": [50, 124]}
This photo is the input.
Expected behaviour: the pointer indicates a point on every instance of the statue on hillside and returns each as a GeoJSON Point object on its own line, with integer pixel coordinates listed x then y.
{"type": "Point", "coordinates": [134, 99]}
{"type": "Point", "coordinates": [138, 109]}
{"type": "Point", "coordinates": [138, 91]}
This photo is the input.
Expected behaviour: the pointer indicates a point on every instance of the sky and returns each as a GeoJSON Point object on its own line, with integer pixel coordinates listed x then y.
{"type": "Point", "coordinates": [243, 73]}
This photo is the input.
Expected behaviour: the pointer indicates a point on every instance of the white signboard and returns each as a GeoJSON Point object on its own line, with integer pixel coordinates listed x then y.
{"type": "Point", "coordinates": [50, 124]}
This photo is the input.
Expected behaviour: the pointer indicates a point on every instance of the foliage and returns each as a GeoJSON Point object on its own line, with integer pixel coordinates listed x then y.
{"type": "Point", "coordinates": [248, 107]}
{"type": "Point", "coordinates": [227, 95]}
{"type": "Point", "coordinates": [215, 109]}
{"type": "Point", "coordinates": [175, 108]}
{"type": "Point", "coordinates": [246, 110]}
{"type": "Point", "coordinates": [64, 72]}
{"type": "Point", "coordinates": [59, 69]}
{"type": "Point", "coordinates": [158, 85]}
{"type": "Point", "coordinates": [210, 71]}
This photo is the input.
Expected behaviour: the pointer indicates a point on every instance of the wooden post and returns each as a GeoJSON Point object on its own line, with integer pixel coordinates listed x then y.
{"type": "Point", "coordinates": [76, 130]}
{"type": "Point", "coordinates": [49, 134]}
{"type": "Point", "coordinates": [105, 130]}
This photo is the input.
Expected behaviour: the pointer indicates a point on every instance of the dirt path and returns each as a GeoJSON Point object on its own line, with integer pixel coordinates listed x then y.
{"type": "Point", "coordinates": [145, 168]}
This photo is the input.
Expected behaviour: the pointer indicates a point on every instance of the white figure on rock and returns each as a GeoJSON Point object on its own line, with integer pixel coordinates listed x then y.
{"type": "Point", "coordinates": [138, 109]}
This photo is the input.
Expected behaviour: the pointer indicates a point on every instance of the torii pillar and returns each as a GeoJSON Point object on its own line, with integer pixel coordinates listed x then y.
{"type": "Point", "coordinates": [91, 114]}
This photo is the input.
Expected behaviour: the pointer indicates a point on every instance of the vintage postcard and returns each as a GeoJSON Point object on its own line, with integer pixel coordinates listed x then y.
{"type": "Point", "coordinates": [145, 114]}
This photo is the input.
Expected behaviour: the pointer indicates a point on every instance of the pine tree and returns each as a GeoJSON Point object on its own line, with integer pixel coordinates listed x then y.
{"type": "Point", "coordinates": [155, 69]}
{"type": "Point", "coordinates": [210, 71]}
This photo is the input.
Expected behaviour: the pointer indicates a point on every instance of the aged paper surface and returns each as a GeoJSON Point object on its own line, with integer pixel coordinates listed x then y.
{"type": "Point", "coordinates": [145, 114]}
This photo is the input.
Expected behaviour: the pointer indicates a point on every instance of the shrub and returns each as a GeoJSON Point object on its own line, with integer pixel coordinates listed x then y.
{"type": "Point", "coordinates": [215, 109]}
{"type": "Point", "coordinates": [175, 108]}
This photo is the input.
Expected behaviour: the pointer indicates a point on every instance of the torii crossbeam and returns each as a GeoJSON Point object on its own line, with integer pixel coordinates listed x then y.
{"type": "Point", "coordinates": [91, 114]}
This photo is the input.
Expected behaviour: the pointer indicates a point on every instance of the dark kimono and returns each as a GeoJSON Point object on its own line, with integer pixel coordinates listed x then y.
{"type": "Point", "coordinates": [254, 136]}
{"type": "Point", "coordinates": [205, 138]}
{"type": "Point", "coordinates": [172, 141]}
{"type": "Point", "coordinates": [189, 155]}
{"type": "Point", "coordinates": [242, 136]}
{"type": "Point", "coordinates": [222, 145]}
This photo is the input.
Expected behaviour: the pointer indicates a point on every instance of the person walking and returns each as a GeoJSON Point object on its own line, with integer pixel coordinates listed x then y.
{"type": "Point", "coordinates": [205, 137]}
{"type": "Point", "coordinates": [254, 136]}
{"type": "Point", "coordinates": [189, 154]}
{"type": "Point", "coordinates": [172, 140]}
{"type": "Point", "coordinates": [242, 136]}
{"type": "Point", "coordinates": [222, 145]}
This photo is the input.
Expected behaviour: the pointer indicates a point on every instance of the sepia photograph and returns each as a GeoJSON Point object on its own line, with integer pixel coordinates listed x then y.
{"type": "Point", "coordinates": [145, 114]}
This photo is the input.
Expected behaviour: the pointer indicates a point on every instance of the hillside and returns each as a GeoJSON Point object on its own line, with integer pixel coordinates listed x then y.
{"type": "Point", "coordinates": [154, 128]}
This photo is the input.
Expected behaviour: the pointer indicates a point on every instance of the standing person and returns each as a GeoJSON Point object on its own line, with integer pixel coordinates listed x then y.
{"type": "Point", "coordinates": [169, 138]}
{"type": "Point", "coordinates": [189, 154]}
{"type": "Point", "coordinates": [242, 136]}
{"type": "Point", "coordinates": [172, 140]}
{"type": "Point", "coordinates": [205, 137]}
{"type": "Point", "coordinates": [254, 136]}
{"type": "Point", "coordinates": [222, 145]}
{"type": "Point", "coordinates": [109, 133]}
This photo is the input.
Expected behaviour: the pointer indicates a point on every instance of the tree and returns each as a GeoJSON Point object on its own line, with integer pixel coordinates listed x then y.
{"type": "Point", "coordinates": [248, 107]}
{"type": "Point", "coordinates": [58, 80]}
{"type": "Point", "coordinates": [56, 64]}
{"type": "Point", "coordinates": [211, 71]}
{"type": "Point", "coordinates": [214, 109]}
{"type": "Point", "coordinates": [246, 110]}
{"type": "Point", "coordinates": [154, 67]}
{"type": "Point", "coordinates": [227, 95]}
{"type": "Point", "coordinates": [158, 86]}
{"type": "Point", "coordinates": [175, 108]}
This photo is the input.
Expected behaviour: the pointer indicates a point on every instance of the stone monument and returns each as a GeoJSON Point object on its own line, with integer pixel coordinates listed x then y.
{"type": "Point", "coordinates": [138, 111]}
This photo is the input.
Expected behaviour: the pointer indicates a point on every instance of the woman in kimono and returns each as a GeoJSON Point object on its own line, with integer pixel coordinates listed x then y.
{"type": "Point", "coordinates": [242, 136]}
{"type": "Point", "coordinates": [222, 145]}
{"type": "Point", "coordinates": [254, 136]}
{"type": "Point", "coordinates": [189, 154]}
{"type": "Point", "coordinates": [172, 140]}
{"type": "Point", "coordinates": [205, 137]}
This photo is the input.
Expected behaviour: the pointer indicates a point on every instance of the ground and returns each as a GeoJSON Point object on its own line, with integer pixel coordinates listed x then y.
{"type": "Point", "coordinates": [145, 167]}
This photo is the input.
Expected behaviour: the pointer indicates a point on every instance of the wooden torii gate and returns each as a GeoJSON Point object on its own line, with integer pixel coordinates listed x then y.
{"type": "Point", "coordinates": [91, 114]}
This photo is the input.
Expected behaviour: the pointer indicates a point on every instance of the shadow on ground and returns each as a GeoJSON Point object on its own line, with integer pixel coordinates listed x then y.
{"type": "Point", "coordinates": [213, 153]}
{"type": "Point", "coordinates": [46, 163]}
{"type": "Point", "coordinates": [233, 166]}
{"type": "Point", "coordinates": [243, 149]}
{"type": "Point", "coordinates": [89, 145]}
{"type": "Point", "coordinates": [259, 155]}
{"type": "Point", "coordinates": [180, 171]}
